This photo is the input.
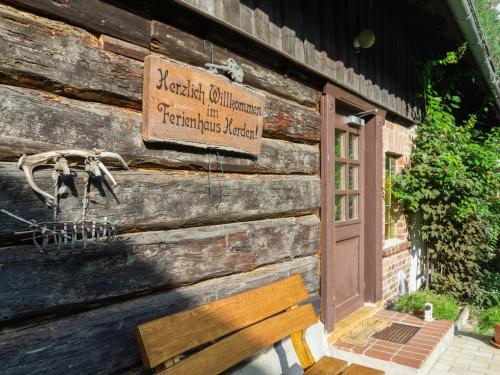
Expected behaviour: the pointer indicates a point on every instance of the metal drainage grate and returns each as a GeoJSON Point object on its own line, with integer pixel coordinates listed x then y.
{"type": "Point", "coordinates": [396, 332]}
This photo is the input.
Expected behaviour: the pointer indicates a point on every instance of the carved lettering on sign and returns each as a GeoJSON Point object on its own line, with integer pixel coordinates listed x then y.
{"type": "Point", "coordinates": [191, 106]}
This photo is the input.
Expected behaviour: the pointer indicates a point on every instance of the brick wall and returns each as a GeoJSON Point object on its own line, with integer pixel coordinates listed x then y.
{"type": "Point", "coordinates": [397, 251]}
{"type": "Point", "coordinates": [395, 259]}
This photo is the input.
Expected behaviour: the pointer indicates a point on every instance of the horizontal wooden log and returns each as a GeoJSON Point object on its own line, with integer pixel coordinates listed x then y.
{"type": "Point", "coordinates": [138, 262]}
{"type": "Point", "coordinates": [54, 56]}
{"type": "Point", "coordinates": [162, 200]}
{"type": "Point", "coordinates": [189, 48]}
{"type": "Point", "coordinates": [101, 341]}
{"type": "Point", "coordinates": [286, 120]}
{"type": "Point", "coordinates": [65, 59]}
{"type": "Point", "coordinates": [33, 121]}
{"type": "Point", "coordinates": [95, 15]}
{"type": "Point", "coordinates": [123, 48]}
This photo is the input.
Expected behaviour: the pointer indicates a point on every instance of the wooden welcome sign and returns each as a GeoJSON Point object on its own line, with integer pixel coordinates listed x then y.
{"type": "Point", "coordinates": [190, 106]}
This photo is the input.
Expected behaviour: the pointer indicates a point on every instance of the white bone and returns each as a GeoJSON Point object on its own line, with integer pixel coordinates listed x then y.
{"type": "Point", "coordinates": [28, 172]}
{"type": "Point", "coordinates": [63, 164]}
{"type": "Point", "coordinates": [28, 163]}
{"type": "Point", "coordinates": [94, 168]}
{"type": "Point", "coordinates": [115, 156]}
{"type": "Point", "coordinates": [106, 172]}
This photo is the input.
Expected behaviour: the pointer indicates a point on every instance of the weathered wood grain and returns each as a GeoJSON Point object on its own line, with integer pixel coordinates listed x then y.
{"type": "Point", "coordinates": [101, 341]}
{"type": "Point", "coordinates": [123, 48]}
{"type": "Point", "coordinates": [34, 283]}
{"type": "Point", "coordinates": [33, 121]}
{"type": "Point", "coordinates": [65, 59]}
{"type": "Point", "coordinates": [68, 61]}
{"type": "Point", "coordinates": [156, 199]}
{"type": "Point", "coordinates": [95, 15]}
{"type": "Point", "coordinates": [287, 120]}
{"type": "Point", "coordinates": [188, 48]}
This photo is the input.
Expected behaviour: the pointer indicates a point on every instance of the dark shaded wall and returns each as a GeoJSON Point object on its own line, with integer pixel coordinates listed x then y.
{"type": "Point", "coordinates": [65, 84]}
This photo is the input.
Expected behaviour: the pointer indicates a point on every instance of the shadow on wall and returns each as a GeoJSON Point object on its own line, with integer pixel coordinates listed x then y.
{"type": "Point", "coordinates": [74, 312]}
{"type": "Point", "coordinates": [418, 254]}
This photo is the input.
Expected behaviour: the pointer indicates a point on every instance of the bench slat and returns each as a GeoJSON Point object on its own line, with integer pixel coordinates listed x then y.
{"type": "Point", "coordinates": [164, 338]}
{"type": "Point", "coordinates": [242, 344]}
{"type": "Point", "coordinates": [327, 366]}
{"type": "Point", "coordinates": [355, 369]}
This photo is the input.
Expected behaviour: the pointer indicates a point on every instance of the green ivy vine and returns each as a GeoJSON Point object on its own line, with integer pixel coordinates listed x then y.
{"type": "Point", "coordinates": [449, 193]}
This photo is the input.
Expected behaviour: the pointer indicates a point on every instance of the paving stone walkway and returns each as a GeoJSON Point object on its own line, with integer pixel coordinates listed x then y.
{"type": "Point", "coordinates": [468, 354]}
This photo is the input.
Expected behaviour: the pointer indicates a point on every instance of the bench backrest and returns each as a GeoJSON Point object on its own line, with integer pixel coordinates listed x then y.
{"type": "Point", "coordinates": [246, 322]}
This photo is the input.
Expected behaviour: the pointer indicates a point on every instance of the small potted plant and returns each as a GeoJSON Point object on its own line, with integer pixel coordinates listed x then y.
{"type": "Point", "coordinates": [489, 322]}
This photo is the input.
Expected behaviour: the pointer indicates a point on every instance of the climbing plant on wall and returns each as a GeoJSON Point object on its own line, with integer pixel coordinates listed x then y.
{"type": "Point", "coordinates": [451, 190]}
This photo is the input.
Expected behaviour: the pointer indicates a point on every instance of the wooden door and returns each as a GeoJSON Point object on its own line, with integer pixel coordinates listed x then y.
{"type": "Point", "coordinates": [351, 205]}
{"type": "Point", "coordinates": [348, 223]}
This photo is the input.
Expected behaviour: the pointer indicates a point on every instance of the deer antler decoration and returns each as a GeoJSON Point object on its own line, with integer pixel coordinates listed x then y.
{"type": "Point", "coordinates": [94, 157]}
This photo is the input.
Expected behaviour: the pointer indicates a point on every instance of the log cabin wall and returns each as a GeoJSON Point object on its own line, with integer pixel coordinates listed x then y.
{"type": "Point", "coordinates": [71, 77]}
{"type": "Point", "coordinates": [67, 81]}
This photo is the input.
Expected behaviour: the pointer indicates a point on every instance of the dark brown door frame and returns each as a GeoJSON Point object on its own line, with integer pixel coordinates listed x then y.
{"type": "Point", "coordinates": [373, 209]}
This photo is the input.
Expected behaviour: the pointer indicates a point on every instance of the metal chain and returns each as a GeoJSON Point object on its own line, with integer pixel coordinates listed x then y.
{"type": "Point", "coordinates": [86, 189]}
{"type": "Point", "coordinates": [220, 180]}
{"type": "Point", "coordinates": [55, 208]}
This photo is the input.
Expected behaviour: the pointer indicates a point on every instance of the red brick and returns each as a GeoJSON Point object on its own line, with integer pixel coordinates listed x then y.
{"type": "Point", "coordinates": [343, 346]}
{"type": "Point", "coordinates": [379, 355]}
{"type": "Point", "coordinates": [383, 348]}
{"type": "Point", "coordinates": [426, 330]}
{"type": "Point", "coordinates": [421, 343]}
{"type": "Point", "coordinates": [405, 353]}
{"type": "Point", "coordinates": [385, 314]}
{"type": "Point", "coordinates": [440, 323]}
{"type": "Point", "coordinates": [406, 361]}
{"type": "Point", "coordinates": [429, 336]}
{"type": "Point", "coordinates": [389, 344]}
{"type": "Point", "coordinates": [416, 349]}
{"type": "Point", "coordinates": [412, 318]}
{"type": "Point", "coordinates": [360, 349]}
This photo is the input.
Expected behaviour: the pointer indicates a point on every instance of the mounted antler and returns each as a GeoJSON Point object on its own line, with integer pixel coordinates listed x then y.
{"type": "Point", "coordinates": [28, 163]}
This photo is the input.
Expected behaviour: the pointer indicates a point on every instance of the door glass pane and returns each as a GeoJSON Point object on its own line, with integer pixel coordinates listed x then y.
{"type": "Point", "coordinates": [339, 207]}
{"type": "Point", "coordinates": [340, 176]}
{"type": "Point", "coordinates": [353, 146]}
{"type": "Point", "coordinates": [339, 143]}
{"type": "Point", "coordinates": [353, 206]}
{"type": "Point", "coordinates": [353, 176]}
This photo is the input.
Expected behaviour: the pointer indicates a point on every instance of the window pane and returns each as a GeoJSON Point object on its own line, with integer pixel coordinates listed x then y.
{"type": "Point", "coordinates": [339, 143]}
{"type": "Point", "coordinates": [353, 206]}
{"type": "Point", "coordinates": [340, 176]}
{"type": "Point", "coordinates": [339, 207]}
{"type": "Point", "coordinates": [353, 176]}
{"type": "Point", "coordinates": [389, 231]}
{"type": "Point", "coordinates": [390, 206]}
{"type": "Point", "coordinates": [387, 214]}
{"type": "Point", "coordinates": [353, 146]}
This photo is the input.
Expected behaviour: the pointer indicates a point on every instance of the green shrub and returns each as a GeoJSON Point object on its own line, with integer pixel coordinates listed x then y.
{"type": "Point", "coordinates": [449, 192]}
{"type": "Point", "coordinates": [487, 320]}
{"type": "Point", "coordinates": [445, 307]}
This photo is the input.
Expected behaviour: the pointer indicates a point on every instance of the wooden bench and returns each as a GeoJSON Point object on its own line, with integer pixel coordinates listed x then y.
{"type": "Point", "coordinates": [242, 324]}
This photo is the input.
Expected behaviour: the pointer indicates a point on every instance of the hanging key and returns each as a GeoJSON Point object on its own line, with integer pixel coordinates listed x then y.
{"type": "Point", "coordinates": [231, 68]}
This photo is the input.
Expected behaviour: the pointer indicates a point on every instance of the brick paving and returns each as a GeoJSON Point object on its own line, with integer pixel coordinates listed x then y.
{"type": "Point", "coordinates": [468, 354]}
{"type": "Point", "coordinates": [412, 354]}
